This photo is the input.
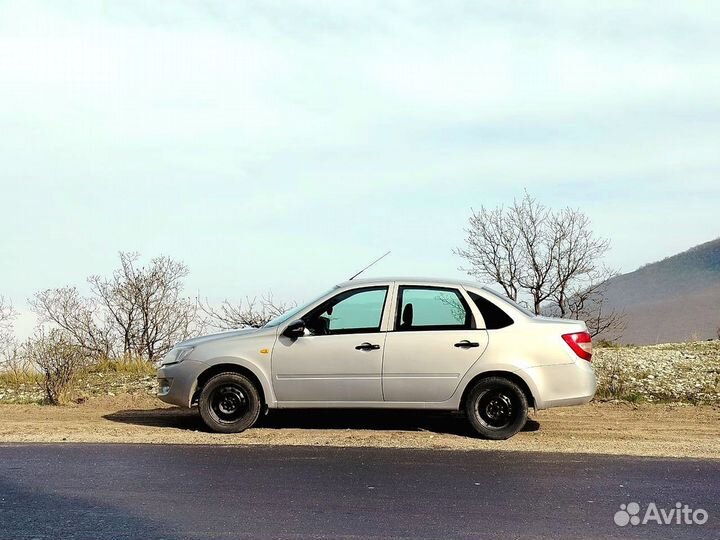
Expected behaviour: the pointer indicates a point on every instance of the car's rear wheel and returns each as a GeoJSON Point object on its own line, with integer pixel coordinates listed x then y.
{"type": "Point", "coordinates": [229, 403]}
{"type": "Point", "coordinates": [497, 408]}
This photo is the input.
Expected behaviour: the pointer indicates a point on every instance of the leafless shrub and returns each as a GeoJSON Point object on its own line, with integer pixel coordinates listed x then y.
{"type": "Point", "coordinates": [146, 304]}
{"type": "Point", "coordinates": [138, 311]}
{"type": "Point", "coordinates": [493, 248]}
{"type": "Point", "coordinates": [10, 359]}
{"type": "Point", "coordinates": [58, 360]}
{"type": "Point", "coordinates": [551, 258]}
{"type": "Point", "coordinates": [7, 316]}
{"type": "Point", "coordinates": [15, 364]}
{"type": "Point", "coordinates": [82, 319]}
{"type": "Point", "coordinates": [250, 313]}
{"type": "Point", "coordinates": [586, 302]}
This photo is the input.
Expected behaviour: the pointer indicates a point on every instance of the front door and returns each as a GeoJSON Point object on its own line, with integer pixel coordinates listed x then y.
{"type": "Point", "coordinates": [433, 344]}
{"type": "Point", "coordinates": [340, 357]}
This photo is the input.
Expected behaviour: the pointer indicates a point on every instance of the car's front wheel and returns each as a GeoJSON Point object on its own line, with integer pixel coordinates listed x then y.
{"type": "Point", "coordinates": [229, 403]}
{"type": "Point", "coordinates": [497, 408]}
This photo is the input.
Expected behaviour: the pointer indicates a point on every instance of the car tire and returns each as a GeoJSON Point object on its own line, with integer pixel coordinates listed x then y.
{"type": "Point", "coordinates": [496, 408]}
{"type": "Point", "coordinates": [229, 403]}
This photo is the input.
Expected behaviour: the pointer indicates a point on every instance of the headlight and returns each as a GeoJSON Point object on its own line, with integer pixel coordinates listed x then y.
{"type": "Point", "coordinates": [175, 356]}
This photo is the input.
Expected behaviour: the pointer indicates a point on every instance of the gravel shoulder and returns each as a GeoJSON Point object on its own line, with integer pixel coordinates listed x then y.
{"type": "Point", "coordinates": [597, 428]}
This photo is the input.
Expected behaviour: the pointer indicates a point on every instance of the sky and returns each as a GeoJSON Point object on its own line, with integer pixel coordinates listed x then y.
{"type": "Point", "coordinates": [282, 146]}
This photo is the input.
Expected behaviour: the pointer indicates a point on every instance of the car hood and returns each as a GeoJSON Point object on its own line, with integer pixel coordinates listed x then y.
{"type": "Point", "coordinates": [231, 334]}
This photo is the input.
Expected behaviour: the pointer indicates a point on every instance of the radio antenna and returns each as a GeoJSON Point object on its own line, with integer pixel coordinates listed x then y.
{"type": "Point", "coordinates": [369, 265]}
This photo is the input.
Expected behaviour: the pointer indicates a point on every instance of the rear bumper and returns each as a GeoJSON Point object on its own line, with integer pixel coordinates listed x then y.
{"type": "Point", "coordinates": [177, 382]}
{"type": "Point", "coordinates": [562, 385]}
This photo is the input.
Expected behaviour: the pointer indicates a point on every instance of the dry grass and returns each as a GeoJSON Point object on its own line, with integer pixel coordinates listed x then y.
{"type": "Point", "coordinates": [667, 373]}
{"type": "Point", "coordinates": [127, 366]}
{"type": "Point", "coordinates": [105, 377]}
{"type": "Point", "coordinates": [17, 378]}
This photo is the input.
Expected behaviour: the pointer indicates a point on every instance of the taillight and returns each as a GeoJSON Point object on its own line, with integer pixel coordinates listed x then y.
{"type": "Point", "coordinates": [580, 343]}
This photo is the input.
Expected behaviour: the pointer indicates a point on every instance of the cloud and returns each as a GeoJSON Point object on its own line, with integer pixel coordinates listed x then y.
{"type": "Point", "coordinates": [240, 136]}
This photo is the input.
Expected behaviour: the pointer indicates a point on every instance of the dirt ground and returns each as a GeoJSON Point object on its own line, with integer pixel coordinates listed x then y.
{"type": "Point", "coordinates": [606, 428]}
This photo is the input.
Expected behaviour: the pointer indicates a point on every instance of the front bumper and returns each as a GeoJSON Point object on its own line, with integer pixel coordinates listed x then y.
{"type": "Point", "coordinates": [562, 385]}
{"type": "Point", "coordinates": [177, 382]}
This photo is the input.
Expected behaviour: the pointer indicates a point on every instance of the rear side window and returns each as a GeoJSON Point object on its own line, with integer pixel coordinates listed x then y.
{"type": "Point", "coordinates": [431, 308]}
{"type": "Point", "coordinates": [495, 318]}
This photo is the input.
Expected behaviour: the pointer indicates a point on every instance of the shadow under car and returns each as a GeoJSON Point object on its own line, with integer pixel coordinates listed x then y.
{"type": "Point", "coordinates": [372, 419]}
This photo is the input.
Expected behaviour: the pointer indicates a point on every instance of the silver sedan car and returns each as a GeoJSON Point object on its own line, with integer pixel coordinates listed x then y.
{"type": "Point", "coordinates": [395, 343]}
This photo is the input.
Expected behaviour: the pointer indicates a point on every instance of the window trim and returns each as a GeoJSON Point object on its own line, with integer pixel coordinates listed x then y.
{"type": "Point", "coordinates": [469, 319]}
{"type": "Point", "coordinates": [350, 293]}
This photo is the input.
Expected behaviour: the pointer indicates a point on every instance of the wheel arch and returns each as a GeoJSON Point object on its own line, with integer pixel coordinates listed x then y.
{"type": "Point", "coordinates": [511, 376]}
{"type": "Point", "coordinates": [225, 367]}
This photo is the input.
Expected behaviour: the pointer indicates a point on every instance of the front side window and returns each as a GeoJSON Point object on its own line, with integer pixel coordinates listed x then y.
{"type": "Point", "coordinates": [432, 308]}
{"type": "Point", "coordinates": [294, 311]}
{"type": "Point", "coordinates": [350, 312]}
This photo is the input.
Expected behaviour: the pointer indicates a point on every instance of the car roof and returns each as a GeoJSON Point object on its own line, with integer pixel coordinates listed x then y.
{"type": "Point", "coordinates": [410, 280]}
{"type": "Point", "coordinates": [438, 282]}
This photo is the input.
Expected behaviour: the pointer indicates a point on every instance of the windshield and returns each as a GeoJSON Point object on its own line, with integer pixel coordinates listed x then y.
{"type": "Point", "coordinates": [294, 311]}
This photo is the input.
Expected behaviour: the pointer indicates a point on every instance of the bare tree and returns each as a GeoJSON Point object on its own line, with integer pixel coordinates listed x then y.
{"type": "Point", "coordinates": [7, 316]}
{"type": "Point", "coordinates": [576, 260]}
{"type": "Point", "coordinates": [251, 313]}
{"type": "Point", "coordinates": [551, 258]}
{"type": "Point", "coordinates": [146, 304]}
{"type": "Point", "coordinates": [81, 318]}
{"type": "Point", "coordinates": [492, 248]}
{"type": "Point", "coordinates": [513, 247]}
{"type": "Point", "coordinates": [538, 247]}
{"type": "Point", "coordinates": [587, 303]}
{"type": "Point", "coordinates": [59, 360]}
{"type": "Point", "coordinates": [10, 359]}
{"type": "Point", "coordinates": [120, 301]}
{"type": "Point", "coordinates": [139, 310]}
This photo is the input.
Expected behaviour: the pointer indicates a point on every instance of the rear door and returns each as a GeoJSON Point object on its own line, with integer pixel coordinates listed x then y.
{"type": "Point", "coordinates": [433, 342]}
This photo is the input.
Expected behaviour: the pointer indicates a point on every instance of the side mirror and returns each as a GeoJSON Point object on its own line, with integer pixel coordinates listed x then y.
{"type": "Point", "coordinates": [295, 329]}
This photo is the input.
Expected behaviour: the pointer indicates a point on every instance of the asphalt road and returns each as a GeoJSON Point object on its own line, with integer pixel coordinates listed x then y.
{"type": "Point", "coordinates": [172, 492]}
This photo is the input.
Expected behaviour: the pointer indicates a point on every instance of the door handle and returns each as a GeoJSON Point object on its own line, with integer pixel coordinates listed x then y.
{"type": "Point", "coordinates": [367, 347]}
{"type": "Point", "coordinates": [465, 344]}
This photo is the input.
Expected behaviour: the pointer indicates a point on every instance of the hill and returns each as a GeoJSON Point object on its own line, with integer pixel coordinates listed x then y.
{"type": "Point", "coordinates": [676, 299]}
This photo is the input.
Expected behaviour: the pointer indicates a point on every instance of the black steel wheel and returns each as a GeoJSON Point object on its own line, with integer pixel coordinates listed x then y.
{"type": "Point", "coordinates": [497, 408]}
{"type": "Point", "coordinates": [229, 403]}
